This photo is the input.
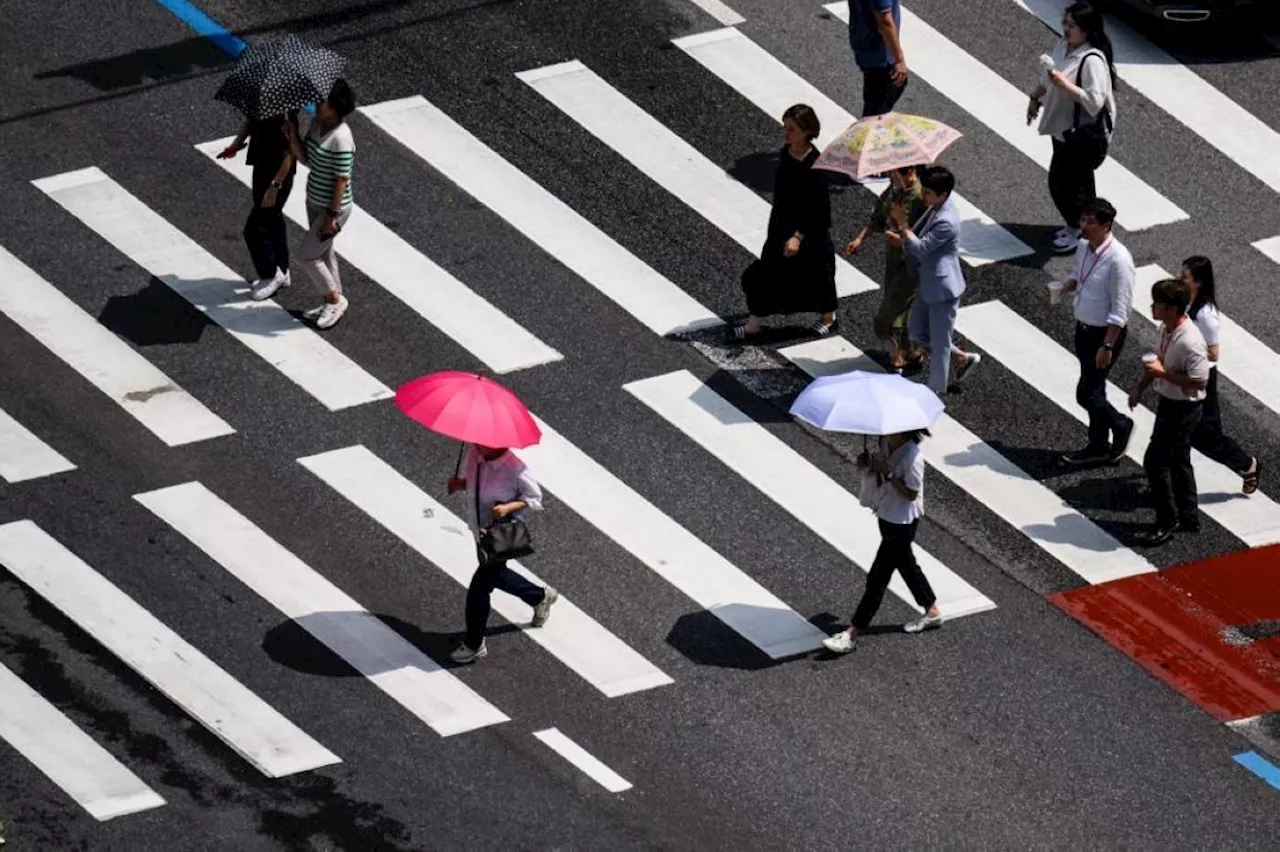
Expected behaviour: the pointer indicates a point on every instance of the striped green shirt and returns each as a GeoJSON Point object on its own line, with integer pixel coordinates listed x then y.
{"type": "Point", "coordinates": [330, 157]}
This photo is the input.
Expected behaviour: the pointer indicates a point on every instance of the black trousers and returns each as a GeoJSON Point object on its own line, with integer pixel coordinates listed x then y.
{"type": "Point", "coordinates": [264, 231]}
{"type": "Point", "coordinates": [894, 554]}
{"type": "Point", "coordinates": [1091, 390]}
{"type": "Point", "coordinates": [879, 94]}
{"type": "Point", "coordinates": [1071, 183]}
{"type": "Point", "coordinates": [1209, 437]}
{"type": "Point", "coordinates": [1168, 462]}
{"type": "Point", "coordinates": [483, 582]}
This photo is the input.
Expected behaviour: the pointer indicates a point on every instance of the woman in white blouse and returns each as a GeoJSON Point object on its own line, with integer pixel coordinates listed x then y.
{"type": "Point", "coordinates": [1077, 91]}
{"type": "Point", "coordinates": [506, 488]}
{"type": "Point", "coordinates": [899, 505]}
{"type": "Point", "coordinates": [1208, 438]}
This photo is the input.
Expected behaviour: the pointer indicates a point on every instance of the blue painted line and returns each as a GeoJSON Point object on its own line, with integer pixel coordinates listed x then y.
{"type": "Point", "coordinates": [1260, 766]}
{"type": "Point", "coordinates": [205, 26]}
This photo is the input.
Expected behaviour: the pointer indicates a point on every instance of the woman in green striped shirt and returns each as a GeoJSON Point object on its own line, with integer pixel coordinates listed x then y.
{"type": "Point", "coordinates": [330, 152]}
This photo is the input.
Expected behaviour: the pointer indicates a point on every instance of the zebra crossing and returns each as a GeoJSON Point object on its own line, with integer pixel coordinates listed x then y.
{"type": "Point", "coordinates": [678, 403]}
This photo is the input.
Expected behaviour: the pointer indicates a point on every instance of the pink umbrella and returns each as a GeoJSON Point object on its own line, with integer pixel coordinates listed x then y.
{"type": "Point", "coordinates": [879, 143]}
{"type": "Point", "coordinates": [469, 408]}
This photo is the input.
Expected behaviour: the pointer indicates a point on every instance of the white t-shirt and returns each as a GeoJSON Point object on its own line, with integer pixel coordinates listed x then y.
{"type": "Point", "coordinates": [907, 464]}
{"type": "Point", "coordinates": [1209, 323]}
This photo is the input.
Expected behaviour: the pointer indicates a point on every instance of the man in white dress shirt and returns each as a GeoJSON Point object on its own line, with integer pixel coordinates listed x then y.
{"type": "Point", "coordinates": [1103, 281]}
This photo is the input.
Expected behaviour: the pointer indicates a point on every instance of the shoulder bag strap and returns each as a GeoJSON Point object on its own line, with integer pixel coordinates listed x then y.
{"type": "Point", "coordinates": [1075, 113]}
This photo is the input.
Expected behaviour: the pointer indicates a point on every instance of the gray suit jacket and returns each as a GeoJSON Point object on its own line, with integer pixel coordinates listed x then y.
{"type": "Point", "coordinates": [933, 254]}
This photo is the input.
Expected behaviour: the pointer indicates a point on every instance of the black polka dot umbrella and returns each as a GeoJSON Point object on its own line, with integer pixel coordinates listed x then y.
{"type": "Point", "coordinates": [278, 76]}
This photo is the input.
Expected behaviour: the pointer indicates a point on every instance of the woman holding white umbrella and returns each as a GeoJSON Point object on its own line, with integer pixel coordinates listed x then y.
{"type": "Point", "coordinates": [891, 406]}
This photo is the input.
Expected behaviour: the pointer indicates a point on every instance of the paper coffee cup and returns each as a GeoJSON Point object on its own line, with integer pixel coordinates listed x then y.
{"type": "Point", "coordinates": [1149, 358]}
{"type": "Point", "coordinates": [1055, 292]}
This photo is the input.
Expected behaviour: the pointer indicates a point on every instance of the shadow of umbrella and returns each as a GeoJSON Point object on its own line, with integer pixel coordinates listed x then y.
{"type": "Point", "coordinates": [293, 643]}
{"type": "Point", "coordinates": [154, 316]}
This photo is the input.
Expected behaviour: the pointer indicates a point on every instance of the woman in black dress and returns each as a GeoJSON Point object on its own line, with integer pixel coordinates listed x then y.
{"type": "Point", "coordinates": [796, 272]}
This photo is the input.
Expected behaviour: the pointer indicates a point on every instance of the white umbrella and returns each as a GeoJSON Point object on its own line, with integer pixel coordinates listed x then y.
{"type": "Point", "coordinates": [867, 404]}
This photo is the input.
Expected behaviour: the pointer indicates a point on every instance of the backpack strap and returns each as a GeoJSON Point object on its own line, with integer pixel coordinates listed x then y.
{"type": "Point", "coordinates": [1075, 113]}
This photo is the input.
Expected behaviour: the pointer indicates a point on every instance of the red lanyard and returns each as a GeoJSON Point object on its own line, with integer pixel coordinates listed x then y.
{"type": "Point", "coordinates": [1097, 258]}
{"type": "Point", "coordinates": [1167, 337]}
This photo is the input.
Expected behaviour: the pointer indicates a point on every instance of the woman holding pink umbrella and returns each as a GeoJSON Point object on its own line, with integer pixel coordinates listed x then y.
{"type": "Point", "coordinates": [489, 419]}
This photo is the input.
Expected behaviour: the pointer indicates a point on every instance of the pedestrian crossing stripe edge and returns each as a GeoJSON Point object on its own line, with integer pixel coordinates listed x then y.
{"type": "Point", "coordinates": [24, 456]}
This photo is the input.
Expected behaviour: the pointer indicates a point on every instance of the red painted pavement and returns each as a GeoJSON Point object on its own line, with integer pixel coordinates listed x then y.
{"type": "Point", "coordinates": [1172, 624]}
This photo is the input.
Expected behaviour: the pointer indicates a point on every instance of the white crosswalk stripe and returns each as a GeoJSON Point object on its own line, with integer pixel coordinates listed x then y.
{"type": "Point", "coordinates": [1001, 106]}
{"type": "Point", "coordinates": [500, 342]}
{"type": "Point", "coordinates": [572, 636]}
{"type": "Point", "coordinates": [793, 483]}
{"type": "Point", "coordinates": [546, 220]}
{"type": "Point", "coordinates": [106, 361]}
{"type": "Point", "coordinates": [68, 756]}
{"type": "Point", "coordinates": [268, 330]}
{"type": "Point", "coordinates": [668, 160]}
{"type": "Point", "coordinates": [24, 456]}
{"type": "Point", "coordinates": [372, 648]}
{"type": "Point", "coordinates": [1042, 516]}
{"type": "Point", "coordinates": [772, 86]}
{"type": "Point", "coordinates": [172, 665]}
{"type": "Point", "coordinates": [1032, 355]}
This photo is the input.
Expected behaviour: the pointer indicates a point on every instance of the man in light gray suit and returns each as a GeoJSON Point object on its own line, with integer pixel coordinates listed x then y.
{"type": "Point", "coordinates": [933, 256]}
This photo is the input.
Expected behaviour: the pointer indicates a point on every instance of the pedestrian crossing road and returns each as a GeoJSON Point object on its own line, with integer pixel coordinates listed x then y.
{"type": "Point", "coordinates": [230, 575]}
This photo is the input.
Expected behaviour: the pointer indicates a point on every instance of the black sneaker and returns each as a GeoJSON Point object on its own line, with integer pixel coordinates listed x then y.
{"type": "Point", "coordinates": [1089, 455]}
{"type": "Point", "coordinates": [1121, 443]}
{"type": "Point", "coordinates": [1156, 535]}
{"type": "Point", "coordinates": [1191, 525]}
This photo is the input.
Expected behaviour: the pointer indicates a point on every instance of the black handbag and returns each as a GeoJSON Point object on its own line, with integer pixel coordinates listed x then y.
{"type": "Point", "coordinates": [1089, 141]}
{"type": "Point", "coordinates": [508, 538]}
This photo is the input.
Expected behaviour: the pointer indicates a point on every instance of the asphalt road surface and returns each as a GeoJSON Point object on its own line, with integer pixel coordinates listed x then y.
{"type": "Point", "coordinates": [1013, 727]}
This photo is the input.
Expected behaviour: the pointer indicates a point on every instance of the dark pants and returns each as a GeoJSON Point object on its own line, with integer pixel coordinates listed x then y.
{"type": "Point", "coordinates": [879, 94]}
{"type": "Point", "coordinates": [264, 231]}
{"type": "Point", "coordinates": [483, 582]}
{"type": "Point", "coordinates": [1168, 462]}
{"type": "Point", "coordinates": [1209, 437]}
{"type": "Point", "coordinates": [1070, 183]}
{"type": "Point", "coordinates": [1091, 390]}
{"type": "Point", "coordinates": [894, 553]}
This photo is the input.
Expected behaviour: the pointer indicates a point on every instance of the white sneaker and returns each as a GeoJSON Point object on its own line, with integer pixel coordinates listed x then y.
{"type": "Point", "coordinates": [841, 643]}
{"type": "Point", "coordinates": [265, 288]}
{"type": "Point", "coordinates": [1066, 240]}
{"type": "Point", "coordinates": [331, 312]}
{"type": "Point", "coordinates": [929, 622]}
{"type": "Point", "coordinates": [971, 360]}
{"type": "Point", "coordinates": [542, 611]}
{"type": "Point", "coordinates": [463, 654]}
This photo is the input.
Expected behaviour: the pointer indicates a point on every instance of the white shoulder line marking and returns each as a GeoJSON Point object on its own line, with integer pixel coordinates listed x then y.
{"type": "Point", "coordinates": [1039, 361]}
{"type": "Point", "coordinates": [445, 540]}
{"type": "Point", "coordinates": [369, 646]}
{"type": "Point", "coordinates": [1244, 359]}
{"type": "Point", "coordinates": [760, 78]}
{"type": "Point", "coordinates": [151, 242]}
{"type": "Point", "coordinates": [668, 160]}
{"type": "Point", "coordinates": [581, 758]}
{"type": "Point", "coordinates": [103, 359]}
{"type": "Point", "coordinates": [406, 273]}
{"type": "Point", "coordinates": [543, 218]}
{"type": "Point", "coordinates": [207, 693]}
{"type": "Point", "coordinates": [667, 548]}
{"type": "Point", "coordinates": [1244, 139]}
{"type": "Point", "coordinates": [84, 770]}
{"type": "Point", "coordinates": [1037, 512]}
{"type": "Point", "coordinates": [1001, 106]}
{"type": "Point", "coordinates": [792, 482]}
{"type": "Point", "coordinates": [23, 456]}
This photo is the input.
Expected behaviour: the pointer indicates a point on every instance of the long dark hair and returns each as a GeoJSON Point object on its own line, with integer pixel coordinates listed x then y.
{"type": "Point", "coordinates": [1089, 20]}
{"type": "Point", "coordinates": [1201, 269]}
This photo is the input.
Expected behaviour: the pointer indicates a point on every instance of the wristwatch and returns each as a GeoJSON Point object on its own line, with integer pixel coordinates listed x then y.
{"type": "Point", "coordinates": [1108, 347]}
{"type": "Point", "coordinates": [277, 184]}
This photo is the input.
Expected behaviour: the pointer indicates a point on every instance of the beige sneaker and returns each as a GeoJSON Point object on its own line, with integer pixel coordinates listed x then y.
{"type": "Point", "coordinates": [542, 611]}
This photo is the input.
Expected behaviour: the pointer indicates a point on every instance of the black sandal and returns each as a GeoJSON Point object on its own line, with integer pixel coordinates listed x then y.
{"type": "Point", "coordinates": [823, 329]}
{"type": "Point", "coordinates": [740, 334]}
{"type": "Point", "coordinates": [1251, 479]}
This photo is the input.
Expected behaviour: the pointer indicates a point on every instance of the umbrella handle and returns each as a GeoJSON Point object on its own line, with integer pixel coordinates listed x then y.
{"type": "Point", "coordinates": [457, 468]}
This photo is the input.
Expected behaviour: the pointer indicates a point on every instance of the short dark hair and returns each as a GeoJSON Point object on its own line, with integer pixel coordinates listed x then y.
{"type": "Point", "coordinates": [341, 98]}
{"type": "Point", "coordinates": [1101, 211]}
{"type": "Point", "coordinates": [1171, 293]}
{"type": "Point", "coordinates": [939, 179]}
{"type": "Point", "coordinates": [805, 118]}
